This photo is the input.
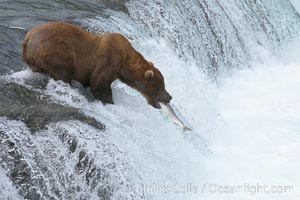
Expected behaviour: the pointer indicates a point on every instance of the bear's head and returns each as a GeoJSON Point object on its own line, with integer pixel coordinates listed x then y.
{"type": "Point", "coordinates": [152, 86]}
{"type": "Point", "coordinates": [148, 80]}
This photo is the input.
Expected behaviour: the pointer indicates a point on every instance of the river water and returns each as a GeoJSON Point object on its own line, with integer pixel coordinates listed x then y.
{"type": "Point", "coordinates": [232, 68]}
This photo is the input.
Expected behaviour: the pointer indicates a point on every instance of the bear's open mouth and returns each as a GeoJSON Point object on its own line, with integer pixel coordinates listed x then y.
{"type": "Point", "coordinates": [157, 101]}
{"type": "Point", "coordinates": [156, 104]}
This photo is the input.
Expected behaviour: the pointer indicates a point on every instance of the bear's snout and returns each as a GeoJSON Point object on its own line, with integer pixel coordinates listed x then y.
{"type": "Point", "coordinates": [164, 97]}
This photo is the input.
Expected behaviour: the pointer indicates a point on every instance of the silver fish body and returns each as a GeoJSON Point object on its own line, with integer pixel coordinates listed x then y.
{"type": "Point", "coordinates": [168, 110]}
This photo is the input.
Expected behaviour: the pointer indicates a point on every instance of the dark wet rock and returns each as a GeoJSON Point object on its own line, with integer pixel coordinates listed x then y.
{"type": "Point", "coordinates": [29, 13]}
{"type": "Point", "coordinates": [18, 169]}
{"type": "Point", "coordinates": [116, 5]}
{"type": "Point", "coordinates": [37, 163]}
{"type": "Point", "coordinates": [10, 49]}
{"type": "Point", "coordinates": [69, 140]}
{"type": "Point", "coordinates": [36, 110]}
{"type": "Point", "coordinates": [94, 175]}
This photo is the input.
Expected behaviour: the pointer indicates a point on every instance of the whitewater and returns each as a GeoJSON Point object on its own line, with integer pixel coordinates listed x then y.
{"type": "Point", "coordinates": [245, 138]}
{"type": "Point", "coordinates": [248, 123]}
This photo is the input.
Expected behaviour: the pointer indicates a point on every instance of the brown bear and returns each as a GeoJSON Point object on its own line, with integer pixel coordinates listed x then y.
{"type": "Point", "coordinates": [67, 52]}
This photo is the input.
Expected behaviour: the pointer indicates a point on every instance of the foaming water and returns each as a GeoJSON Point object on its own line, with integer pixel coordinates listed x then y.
{"type": "Point", "coordinates": [7, 190]}
{"type": "Point", "coordinates": [244, 129]}
{"type": "Point", "coordinates": [258, 143]}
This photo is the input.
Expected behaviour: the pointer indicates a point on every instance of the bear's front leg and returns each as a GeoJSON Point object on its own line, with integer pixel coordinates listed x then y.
{"type": "Point", "coordinates": [101, 81]}
{"type": "Point", "coordinates": [103, 93]}
{"type": "Point", "coordinates": [101, 89]}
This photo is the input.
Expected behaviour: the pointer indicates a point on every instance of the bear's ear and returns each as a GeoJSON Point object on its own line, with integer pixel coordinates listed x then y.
{"type": "Point", "coordinates": [151, 63]}
{"type": "Point", "coordinates": [149, 74]}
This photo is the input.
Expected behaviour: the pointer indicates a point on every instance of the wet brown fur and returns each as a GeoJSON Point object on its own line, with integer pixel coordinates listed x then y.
{"type": "Point", "coordinates": [67, 53]}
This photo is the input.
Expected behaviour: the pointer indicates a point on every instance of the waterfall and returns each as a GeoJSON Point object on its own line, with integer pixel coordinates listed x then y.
{"type": "Point", "coordinates": [217, 34]}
